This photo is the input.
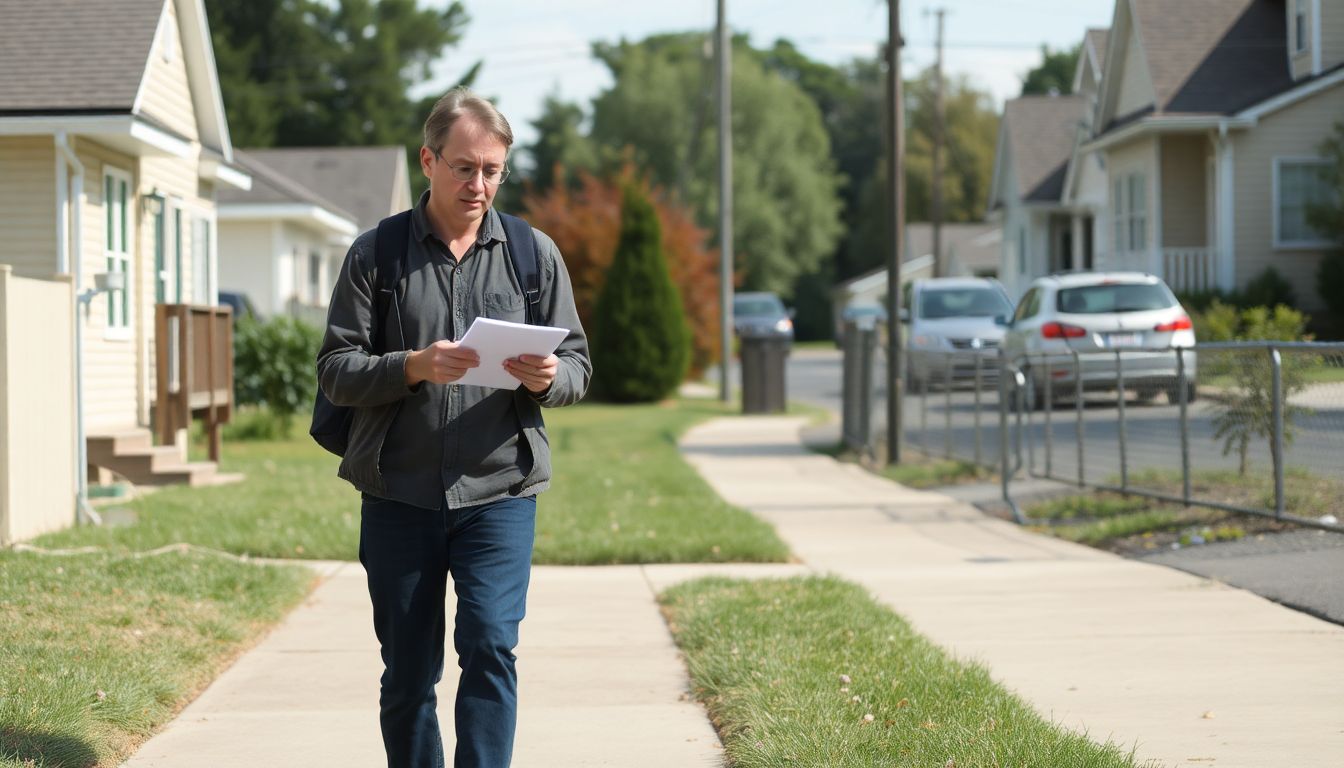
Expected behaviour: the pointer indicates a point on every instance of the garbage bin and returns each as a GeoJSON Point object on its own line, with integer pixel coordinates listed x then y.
{"type": "Point", "coordinates": [763, 374]}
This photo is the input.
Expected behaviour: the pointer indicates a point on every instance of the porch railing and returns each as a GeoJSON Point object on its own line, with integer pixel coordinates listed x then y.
{"type": "Point", "coordinates": [193, 369]}
{"type": "Point", "coordinates": [1189, 270]}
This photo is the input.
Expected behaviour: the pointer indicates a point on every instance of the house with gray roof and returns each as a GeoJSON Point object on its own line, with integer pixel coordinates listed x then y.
{"type": "Point", "coordinates": [113, 148]}
{"type": "Point", "coordinates": [1206, 125]}
{"type": "Point", "coordinates": [282, 242]}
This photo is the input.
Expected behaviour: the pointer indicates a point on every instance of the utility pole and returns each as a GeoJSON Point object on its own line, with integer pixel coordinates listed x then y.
{"type": "Point", "coordinates": [723, 51]}
{"type": "Point", "coordinates": [896, 213]}
{"type": "Point", "coordinates": [939, 266]}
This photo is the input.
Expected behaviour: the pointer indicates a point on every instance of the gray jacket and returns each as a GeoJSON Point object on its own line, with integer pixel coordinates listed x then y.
{"type": "Point", "coordinates": [433, 444]}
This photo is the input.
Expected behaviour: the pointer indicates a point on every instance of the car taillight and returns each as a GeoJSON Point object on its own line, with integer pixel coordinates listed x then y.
{"type": "Point", "coordinates": [1181, 323]}
{"type": "Point", "coordinates": [1062, 331]}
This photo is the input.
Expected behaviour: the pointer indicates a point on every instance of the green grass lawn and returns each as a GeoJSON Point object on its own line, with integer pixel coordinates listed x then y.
{"type": "Point", "coordinates": [621, 494]}
{"type": "Point", "coordinates": [98, 650]}
{"type": "Point", "coordinates": [813, 672]}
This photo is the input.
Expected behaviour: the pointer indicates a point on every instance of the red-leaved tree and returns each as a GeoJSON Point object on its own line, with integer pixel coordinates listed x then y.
{"type": "Point", "coordinates": [585, 223]}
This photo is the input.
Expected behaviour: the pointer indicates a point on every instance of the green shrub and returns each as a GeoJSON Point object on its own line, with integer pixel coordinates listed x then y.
{"type": "Point", "coordinates": [640, 340]}
{"type": "Point", "coordinates": [1217, 323]}
{"type": "Point", "coordinates": [1268, 289]}
{"type": "Point", "coordinates": [274, 365]}
{"type": "Point", "coordinates": [1330, 286]}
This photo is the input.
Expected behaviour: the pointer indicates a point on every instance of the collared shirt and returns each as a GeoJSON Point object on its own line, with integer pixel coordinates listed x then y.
{"type": "Point", "coordinates": [433, 443]}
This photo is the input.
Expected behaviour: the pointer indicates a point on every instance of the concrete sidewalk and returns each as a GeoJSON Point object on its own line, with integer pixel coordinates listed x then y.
{"type": "Point", "coordinates": [1191, 672]}
{"type": "Point", "coordinates": [600, 682]}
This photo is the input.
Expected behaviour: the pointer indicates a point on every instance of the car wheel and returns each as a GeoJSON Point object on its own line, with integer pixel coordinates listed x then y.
{"type": "Point", "coordinates": [1146, 395]}
{"type": "Point", "coordinates": [1174, 393]}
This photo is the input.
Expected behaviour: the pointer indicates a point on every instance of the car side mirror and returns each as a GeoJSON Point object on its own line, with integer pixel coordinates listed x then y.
{"type": "Point", "coordinates": [1003, 320]}
{"type": "Point", "coordinates": [904, 315]}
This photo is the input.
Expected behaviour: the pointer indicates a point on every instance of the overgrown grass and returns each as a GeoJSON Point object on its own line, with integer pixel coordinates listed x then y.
{"type": "Point", "coordinates": [812, 672]}
{"type": "Point", "coordinates": [621, 493]}
{"type": "Point", "coordinates": [98, 650]}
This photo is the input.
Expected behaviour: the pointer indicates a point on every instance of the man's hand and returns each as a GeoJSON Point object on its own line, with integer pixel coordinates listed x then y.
{"type": "Point", "coordinates": [442, 362]}
{"type": "Point", "coordinates": [536, 373]}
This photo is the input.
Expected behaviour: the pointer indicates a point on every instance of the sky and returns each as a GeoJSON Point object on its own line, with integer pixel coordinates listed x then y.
{"type": "Point", "coordinates": [534, 48]}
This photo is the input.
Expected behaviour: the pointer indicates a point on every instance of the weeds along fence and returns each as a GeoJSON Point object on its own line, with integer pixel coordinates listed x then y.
{"type": "Point", "coordinates": [1248, 427]}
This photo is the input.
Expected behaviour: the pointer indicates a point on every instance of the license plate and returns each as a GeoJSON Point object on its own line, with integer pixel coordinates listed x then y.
{"type": "Point", "coordinates": [1123, 339]}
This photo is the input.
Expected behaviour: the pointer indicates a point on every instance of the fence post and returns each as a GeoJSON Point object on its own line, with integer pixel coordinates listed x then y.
{"type": "Point", "coordinates": [867, 351]}
{"type": "Point", "coordinates": [1120, 406]}
{"type": "Point", "coordinates": [978, 439]}
{"type": "Point", "coordinates": [1276, 363]}
{"type": "Point", "coordinates": [1049, 403]}
{"type": "Point", "coordinates": [923, 408]}
{"type": "Point", "coordinates": [1183, 400]}
{"type": "Point", "coordinates": [947, 405]}
{"type": "Point", "coordinates": [1078, 408]}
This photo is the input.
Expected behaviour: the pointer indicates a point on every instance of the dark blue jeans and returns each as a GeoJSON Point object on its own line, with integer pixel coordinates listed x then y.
{"type": "Point", "coordinates": [409, 553]}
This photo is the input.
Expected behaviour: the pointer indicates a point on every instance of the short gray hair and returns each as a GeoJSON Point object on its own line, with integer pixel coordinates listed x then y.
{"type": "Point", "coordinates": [462, 102]}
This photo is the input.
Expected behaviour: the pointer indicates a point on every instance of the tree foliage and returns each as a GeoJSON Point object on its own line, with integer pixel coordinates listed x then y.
{"type": "Point", "coordinates": [1055, 72]}
{"type": "Point", "coordinates": [785, 202]}
{"type": "Point", "coordinates": [312, 73]}
{"type": "Point", "coordinates": [640, 340]}
{"type": "Point", "coordinates": [584, 220]}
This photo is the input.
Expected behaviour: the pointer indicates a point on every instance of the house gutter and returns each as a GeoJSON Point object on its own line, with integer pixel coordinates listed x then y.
{"type": "Point", "coordinates": [75, 264]}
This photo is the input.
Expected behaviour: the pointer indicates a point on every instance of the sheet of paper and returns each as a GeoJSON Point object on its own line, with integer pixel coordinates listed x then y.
{"type": "Point", "coordinates": [497, 340]}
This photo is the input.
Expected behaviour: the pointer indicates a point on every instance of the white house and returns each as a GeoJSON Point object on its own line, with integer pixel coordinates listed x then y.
{"type": "Point", "coordinates": [1206, 124]}
{"type": "Point", "coordinates": [282, 241]}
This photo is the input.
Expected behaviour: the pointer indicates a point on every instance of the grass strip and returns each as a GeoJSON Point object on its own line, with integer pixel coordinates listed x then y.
{"type": "Point", "coordinates": [916, 470]}
{"type": "Point", "coordinates": [624, 494]}
{"type": "Point", "coordinates": [96, 651]}
{"type": "Point", "coordinates": [813, 672]}
{"type": "Point", "coordinates": [621, 493]}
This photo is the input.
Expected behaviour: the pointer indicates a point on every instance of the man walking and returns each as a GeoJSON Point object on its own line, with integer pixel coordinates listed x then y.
{"type": "Point", "coordinates": [449, 473]}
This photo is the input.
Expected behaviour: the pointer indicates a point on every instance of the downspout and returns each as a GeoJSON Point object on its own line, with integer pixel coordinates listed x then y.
{"type": "Point", "coordinates": [1226, 210]}
{"type": "Point", "coordinates": [83, 511]}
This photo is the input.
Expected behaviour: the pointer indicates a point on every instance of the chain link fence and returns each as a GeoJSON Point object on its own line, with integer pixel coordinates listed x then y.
{"type": "Point", "coordinates": [1248, 427]}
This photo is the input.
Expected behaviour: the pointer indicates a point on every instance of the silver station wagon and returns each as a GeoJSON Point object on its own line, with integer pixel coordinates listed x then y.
{"type": "Point", "coordinates": [1102, 317]}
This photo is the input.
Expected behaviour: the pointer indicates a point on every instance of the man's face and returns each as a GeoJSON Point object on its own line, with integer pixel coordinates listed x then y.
{"type": "Point", "coordinates": [469, 148]}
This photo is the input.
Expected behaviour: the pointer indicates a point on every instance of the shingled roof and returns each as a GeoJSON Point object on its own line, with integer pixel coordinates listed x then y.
{"type": "Point", "coordinates": [271, 186]}
{"type": "Point", "coordinates": [66, 56]}
{"type": "Point", "coordinates": [360, 180]}
{"type": "Point", "coordinates": [1212, 56]}
{"type": "Point", "coordinates": [1041, 131]}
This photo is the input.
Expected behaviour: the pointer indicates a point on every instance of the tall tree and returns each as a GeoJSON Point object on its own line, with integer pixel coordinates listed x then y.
{"type": "Point", "coordinates": [1055, 72]}
{"type": "Point", "coordinates": [311, 72]}
{"type": "Point", "coordinates": [660, 107]}
{"type": "Point", "coordinates": [560, 144]}
{"type": "Point", "coordinates": [640, 334]}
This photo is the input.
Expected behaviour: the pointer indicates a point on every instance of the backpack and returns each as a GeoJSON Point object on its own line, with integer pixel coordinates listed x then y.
{"type": "Point", "coordinates": [331, 423]}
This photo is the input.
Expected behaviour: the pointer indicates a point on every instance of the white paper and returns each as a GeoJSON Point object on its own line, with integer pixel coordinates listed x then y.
{"type": "Point", "coordinates": [495, 341]}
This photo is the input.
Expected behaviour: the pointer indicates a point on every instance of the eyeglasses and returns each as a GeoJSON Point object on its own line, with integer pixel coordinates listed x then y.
{"type": "Point", "coordinates": [491, 176]}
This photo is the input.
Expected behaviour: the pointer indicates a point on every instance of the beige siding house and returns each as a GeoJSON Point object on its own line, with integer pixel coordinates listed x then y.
{"type": "Point", "coordinates": [1199, 149]}
{"type": "Point", "coordinates": [110, 161]}
{"type": "Point", "coordinates": [283, 241]}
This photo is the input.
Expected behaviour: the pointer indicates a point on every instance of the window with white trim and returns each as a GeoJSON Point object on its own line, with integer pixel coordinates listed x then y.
{"type": "Point", "coordinates": [315, 278]}
{"type": "Point", "coordinates": [1129, 207]}
{"type": "Point", "coordinates": [117, 202]}
{"type": "Point", "coordinates": [1299, 184]}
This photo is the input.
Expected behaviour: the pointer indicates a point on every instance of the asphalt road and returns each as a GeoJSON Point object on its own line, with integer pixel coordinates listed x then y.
{"type": "Point", "coordinates": [1302, 569]}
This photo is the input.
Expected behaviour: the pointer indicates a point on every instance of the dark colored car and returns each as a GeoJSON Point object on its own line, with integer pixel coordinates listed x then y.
{"type": "Point", "coordinates": [242, 306]}
{"type": "Point", "coordinates": [762, 314]}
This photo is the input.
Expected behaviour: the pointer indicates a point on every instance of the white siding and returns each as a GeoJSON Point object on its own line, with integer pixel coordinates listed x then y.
{"type": "Point", "coordinates": [1133, 157]}
{"type": "Point", "coordinates": [110, 365]}
{"type": "Point", "coordinates": [28, 205]}
{"type": "Point", "coordinates": [1136, 86]}
{"type": "Point", "coordinates": [166, 96]}
{"type": "Point", "coordinates": [1296, 131]}
{"type": "Point", "coordinates": [246, 261]}
{"type": "Point", "coordinates": [1332, 33]}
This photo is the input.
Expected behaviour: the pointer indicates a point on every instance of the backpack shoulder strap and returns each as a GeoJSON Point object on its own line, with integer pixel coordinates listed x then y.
{"type": "Point", "coordinates": [389, 259]}
{"type": "Point", "coordinates": [522, 248]}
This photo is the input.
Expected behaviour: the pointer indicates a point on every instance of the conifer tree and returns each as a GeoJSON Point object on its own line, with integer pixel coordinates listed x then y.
{"type": "Point", "coordinates": [640, 340]}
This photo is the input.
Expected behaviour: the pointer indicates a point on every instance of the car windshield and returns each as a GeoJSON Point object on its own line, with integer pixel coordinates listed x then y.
{"type": "Point", "coordinates": [1114, 297]}
{"type": "Point", "coordinates": [963, 302]}
{"type": "Point", "coordinates": [762, 306]}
